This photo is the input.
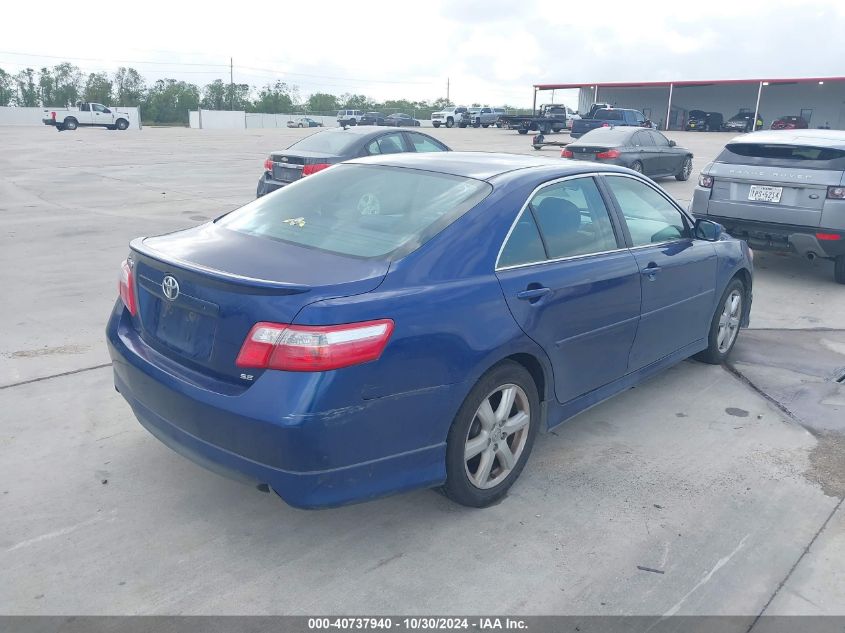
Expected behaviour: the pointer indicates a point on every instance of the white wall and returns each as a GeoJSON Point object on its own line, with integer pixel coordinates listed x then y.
{"type": "Point", "coordinates": [222, 119]}
{"type": "Point", "coordinates": [33, 116]}
{"type": "Point", "coordinates": [194, 119]}
{"type": "Point", "coordinates": [827, 101]}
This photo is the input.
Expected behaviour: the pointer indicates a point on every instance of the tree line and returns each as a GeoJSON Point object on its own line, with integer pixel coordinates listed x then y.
{"type": "Point", "coordinates": [168, 101]}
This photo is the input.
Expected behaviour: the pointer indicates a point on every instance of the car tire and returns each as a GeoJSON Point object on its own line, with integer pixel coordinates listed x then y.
{"type": "Point", "coordinates": [839, 269]}
{"type": "Point", "coordinates": [637, 166]}
{"type": "Point", "coordinates": [486, 477]}
{"type": "Point", "coordinates": [686, 170]}
{"type": "Point", "coordinates": [727, 318]}
{"type": "Point", "coordinates": [121, 124]}
{"type": "Point", "coordinates": [300, 125]}
{"type": "Point", "coordinates": [436, 125]}
{"type": "Point", "coordinates": [111, 127]}
{"type": "Point", "coordinates": [70, 123]}
{"type": "Point", "coordinates": [450, 122]}
{"type": "Point", "coordinates": [499, 125]}
{"type": "Point", "coordinates": [522, 131]}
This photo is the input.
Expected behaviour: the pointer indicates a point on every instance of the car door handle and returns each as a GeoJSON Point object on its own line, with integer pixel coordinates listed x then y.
{"type": "Point", "coordinates": [533, 294]}
{"type": "Point", "coordinates": [651, 270]}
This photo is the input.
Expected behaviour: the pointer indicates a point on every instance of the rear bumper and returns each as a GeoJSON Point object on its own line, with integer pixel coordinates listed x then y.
{"type": "Point", "coordinates": [285, 430]}
{"type": "Point", "coordinates": [49, 122]}
{"type": "Point", "coordinates": [781, 237]}
{"type": "Point", "coordinates": [266, 184]}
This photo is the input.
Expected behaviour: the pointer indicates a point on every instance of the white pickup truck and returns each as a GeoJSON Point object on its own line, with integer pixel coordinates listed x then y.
{"type": "Point", "coordinates": [86, 115]}
{"type": "Point", "coordinates": [451, 116]}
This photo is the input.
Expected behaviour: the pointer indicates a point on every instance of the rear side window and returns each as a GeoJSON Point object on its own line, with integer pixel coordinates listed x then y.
{"type": "Point", "coordinates": [360, 210]}
{"type": "Point", "coordinates": [782, 155]}
{"type": "Point", "coordinates": [425, 144]}
{"type": "Point", "coordinates": [565, 219]}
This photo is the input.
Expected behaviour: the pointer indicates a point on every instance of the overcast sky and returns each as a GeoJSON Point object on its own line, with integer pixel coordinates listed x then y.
{"type": "Point", "coordinates": [492, 51]}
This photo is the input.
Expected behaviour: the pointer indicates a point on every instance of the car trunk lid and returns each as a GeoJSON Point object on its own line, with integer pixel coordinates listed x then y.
{"type": "Point", "coordinates": [801, 193]}
{"type": "Point", "coordinates": [288, 165]}
{"type": "Point", "coordinates": [225, 282]}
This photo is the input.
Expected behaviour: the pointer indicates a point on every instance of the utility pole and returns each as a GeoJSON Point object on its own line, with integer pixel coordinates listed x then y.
{"type": "Point", "coordinates": [447, 91]}
{"type": "Point", "coordinates": [231, 85]}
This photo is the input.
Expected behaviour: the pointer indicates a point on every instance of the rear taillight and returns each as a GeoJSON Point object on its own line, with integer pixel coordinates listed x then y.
{"type": "Point", "coordinates": [126, 287]}
{"type": "Point", "coordinates": [53, 115]}
{"type": "Point", "coordinates": [705, 181]}
{"type": "Point", "coordinates": [566, 153]}
{"type": "Point", "coordinates": [836, 193]}
{"type": "Point", "coordinates": [611, 153]}
{"type": "Point", "coordinates": [268, 164]}
{"type": "Point", "coordinates": [313, 169]}
{"type": "Point", "coordinates": [313, 347]}
{"type": "Point", "coordinates": [828, 237]}
{"type": "Point", "coordinates": [605, 124]}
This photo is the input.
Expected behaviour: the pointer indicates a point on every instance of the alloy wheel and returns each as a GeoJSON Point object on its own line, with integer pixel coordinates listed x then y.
{"type": "Point", "coordinates": [497, 435]}
{"type": "Point", "coordinates": [729, 321]}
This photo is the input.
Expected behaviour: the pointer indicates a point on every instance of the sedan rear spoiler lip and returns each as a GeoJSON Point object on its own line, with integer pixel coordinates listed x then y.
{"type": "Point", "coordinates": [139, 247]}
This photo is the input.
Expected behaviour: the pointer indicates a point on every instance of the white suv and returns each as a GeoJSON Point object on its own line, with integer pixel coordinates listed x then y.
{"type": "Point", "coordinates": [349, 117]}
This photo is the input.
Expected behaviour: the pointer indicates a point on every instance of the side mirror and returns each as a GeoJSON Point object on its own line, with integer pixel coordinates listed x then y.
{"type": "Point", "coordinates": [708, 230]}
{"type": "Point", "coordinates": [672, 143]}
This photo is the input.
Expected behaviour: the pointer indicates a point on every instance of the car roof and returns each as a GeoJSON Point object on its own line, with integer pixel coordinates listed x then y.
{"type": "Point", "coordinates": [478, 165]}
{"type": "Point", "coordinates": [817, 138]}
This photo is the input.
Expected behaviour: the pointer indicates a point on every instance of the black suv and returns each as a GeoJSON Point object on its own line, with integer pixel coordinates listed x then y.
{"type": "Point", "coordinates": [743, 122]}
{"type": "Point", "coordinates": [701, 121]}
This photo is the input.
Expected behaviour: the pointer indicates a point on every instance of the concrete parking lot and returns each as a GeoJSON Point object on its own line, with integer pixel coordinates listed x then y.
{"type": "Point", "coordinates": [727, 480]}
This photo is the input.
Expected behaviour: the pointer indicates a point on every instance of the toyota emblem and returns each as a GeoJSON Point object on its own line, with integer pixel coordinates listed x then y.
{"type": "Point", "coordinates": [170, 287]}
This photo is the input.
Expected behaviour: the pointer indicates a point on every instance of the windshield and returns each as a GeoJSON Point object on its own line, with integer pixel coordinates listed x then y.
{"type": "Point", "coordinates": [783, 155]}
{"type": "Point", "coordinates": [360, 210]}
{"type": "Point", "coordinates": [328, 142]}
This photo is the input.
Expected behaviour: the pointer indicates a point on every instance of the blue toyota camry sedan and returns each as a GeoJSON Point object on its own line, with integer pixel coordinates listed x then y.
{"type": "Point", "coordinates": [414, 320]}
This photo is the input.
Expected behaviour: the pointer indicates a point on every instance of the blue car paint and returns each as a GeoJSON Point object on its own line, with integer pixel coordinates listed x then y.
{"type": "Point", "coordinates": [324, 439]}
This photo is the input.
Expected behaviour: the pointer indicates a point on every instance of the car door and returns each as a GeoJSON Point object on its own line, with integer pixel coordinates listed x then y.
{"type": "Point", "coordinates": [677, 272]}
{"type": "Point", "coordinates": [648, 153]}
{"type": "Point", "coordinates": [571, 284]}
{"type": "Point", "coordinates": [85, 115]}
{"type": "Point", "coordinates": [668, 161]}
{"type": "Point", "coordinates": [99, 116]}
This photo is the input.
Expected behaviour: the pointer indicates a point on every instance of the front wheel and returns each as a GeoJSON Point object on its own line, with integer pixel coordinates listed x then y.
{"type": "Point", "coordinates": [686, 170]}
{"type": "Point", "coordinates": [492, 436]}
{"type": "Point", "coordinates": [450, 122]}
{"type": "Point", "coordinates": [121, 124]}
{"type": "Point", "coordinates": [522, 131]}
{"type": "Point", "coordinates": [436, 125]}
{"type": "Point", "coordinates": [839, 269]}
{"type": "Point", "coordinates": [725, 324]}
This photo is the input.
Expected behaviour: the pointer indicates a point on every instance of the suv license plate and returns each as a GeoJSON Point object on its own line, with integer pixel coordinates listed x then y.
{"type": "Point", "coordinates": [762, 193]}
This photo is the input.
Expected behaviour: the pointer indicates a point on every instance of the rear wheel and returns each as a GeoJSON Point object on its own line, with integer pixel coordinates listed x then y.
{"type": "Point", "coordinates": [436, 124]}
{"type": "Point", "coordinates": [522, 130]}
{"type": "Point", "coordinates": [686, 170]}
{"type": "Point", "coordinates": [725, 324]}
{"type": "Point", "coordinates": [637, 166]}
{"type": "Point", "coordinates": [839, 269]}
{"type": "Point", "coordinates": [485, 125]}
{"type": "Point", "coordinates": [70, 123]}
{"type": "Point", "coordinates": [492, 436]}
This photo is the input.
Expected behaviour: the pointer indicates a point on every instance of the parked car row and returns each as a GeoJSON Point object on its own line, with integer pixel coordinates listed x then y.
{"type": "Point", "coordinates": [346, 118]}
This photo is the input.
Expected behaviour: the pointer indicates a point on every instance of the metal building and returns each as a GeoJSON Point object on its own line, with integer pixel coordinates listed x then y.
{"type": "Point", "coordinates": [818, 100]}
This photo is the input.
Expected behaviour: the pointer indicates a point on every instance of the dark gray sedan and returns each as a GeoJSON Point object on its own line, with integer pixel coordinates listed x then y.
{"type": "Point", "coordinates": [645, 151]}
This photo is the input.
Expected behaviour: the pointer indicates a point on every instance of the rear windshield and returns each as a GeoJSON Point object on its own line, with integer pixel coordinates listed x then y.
{"type": "Point", "coordinates": [782, 155]}
{"type": "Point", "coordinates": [610, 115]}
{"type": "Point", "coordinates": [360, 210]}
{"type": "Point", "coordinates": [328, 142]}
{"type": "Point", "coordinates": [606, 135]}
